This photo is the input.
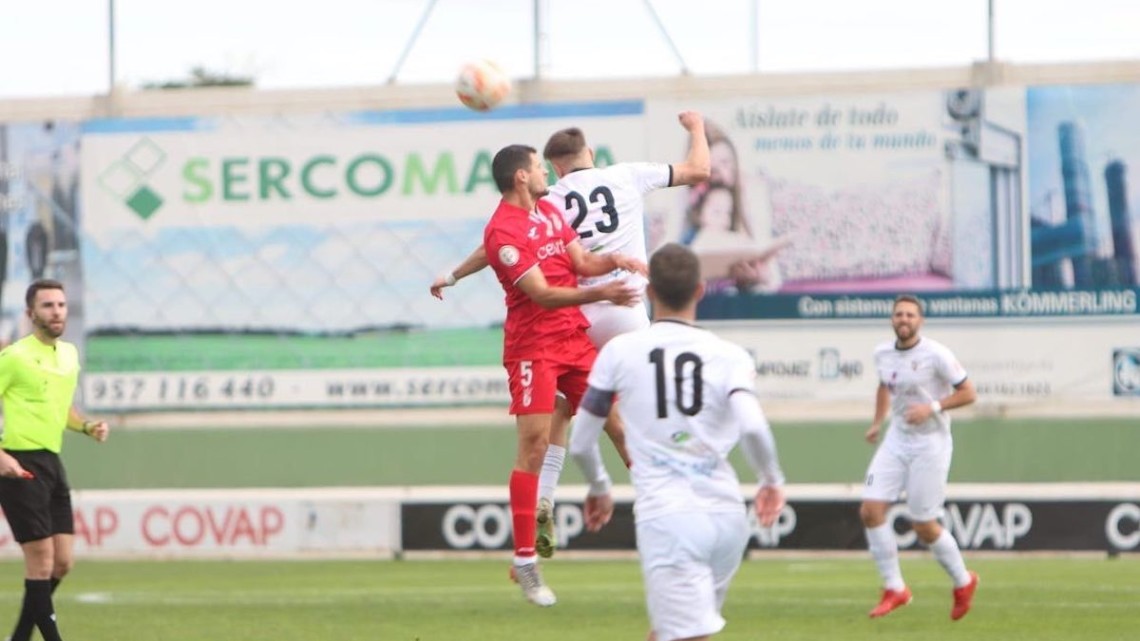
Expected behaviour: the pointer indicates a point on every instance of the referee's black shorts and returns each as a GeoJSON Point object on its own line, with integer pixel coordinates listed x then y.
{"type": "Point", "coordinates": [41, 507]}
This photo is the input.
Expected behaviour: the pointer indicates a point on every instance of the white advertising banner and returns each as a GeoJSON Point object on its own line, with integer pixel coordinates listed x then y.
{"type": "Point", "coordinates": [225, 523]}
{"type": "Point", "coordinates": [852, 193]}
{"type": "Point", "coordinates": [394, 387]}
{"type": "Point", "coordinates": [1011, 362]}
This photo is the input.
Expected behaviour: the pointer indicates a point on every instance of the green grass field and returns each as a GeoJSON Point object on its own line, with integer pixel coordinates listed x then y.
{"type": "Point", "coordinates": [414, 348]}
{"type": "Point", "coordinates": [1023, 451]}
{"type": "Point", "coordinates": [802, 599]}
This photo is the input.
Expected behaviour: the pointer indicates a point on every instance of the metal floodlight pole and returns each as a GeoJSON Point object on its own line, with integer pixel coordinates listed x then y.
{"type": "Point", "coordinates": [541, 36]}
{"type": "Point", "coordinates": [665, 34]}
{"type": "Point", "coordinates": [110, 47]}
{"type": "Point", "coordinates": [412, 41]}
{"type": "Point", "coordinates": [990, 30]}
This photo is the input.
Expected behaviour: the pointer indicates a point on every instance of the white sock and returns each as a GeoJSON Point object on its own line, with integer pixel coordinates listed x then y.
{"type": "Point", "coordinates": [525, 560]}
{"type": "Point", "coordinates": [885, 551]}
{"type": "Point", "coordinates": [945, 549]}
{"type": "Point", "coordinates": [551, 471]}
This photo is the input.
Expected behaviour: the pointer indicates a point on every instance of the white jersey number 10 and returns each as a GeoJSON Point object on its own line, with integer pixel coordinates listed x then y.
{"type": "Point", "coordinates": [683, 360]}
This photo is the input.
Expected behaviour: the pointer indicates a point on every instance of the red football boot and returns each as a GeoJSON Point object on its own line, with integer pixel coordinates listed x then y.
{"type": "Point", "coordinates": [891, 601]}
{"type": "Point", "coordinates": [964, 597]}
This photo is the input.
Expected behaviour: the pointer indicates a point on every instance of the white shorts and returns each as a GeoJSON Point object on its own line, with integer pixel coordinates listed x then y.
{"type": "Point", "coordinates": [608, 320]}
{"type": "Point", "coordinates": [687, 562]}
{"type": "Point", "coordinates": [921, 471]}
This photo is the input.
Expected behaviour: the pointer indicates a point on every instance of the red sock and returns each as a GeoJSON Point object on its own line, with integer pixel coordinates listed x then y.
{"type": "Point", "coordinates": [524, 498]}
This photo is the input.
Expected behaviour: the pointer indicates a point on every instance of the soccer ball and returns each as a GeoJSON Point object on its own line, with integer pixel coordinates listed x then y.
{"type": "Point", "coordinates": [482, 85]}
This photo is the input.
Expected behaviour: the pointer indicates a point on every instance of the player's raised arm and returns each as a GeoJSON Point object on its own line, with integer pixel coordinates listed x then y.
{"type": "Point", "coordinates": [474, 262]}
{"type": "Point", "coordinates": [697, 166]}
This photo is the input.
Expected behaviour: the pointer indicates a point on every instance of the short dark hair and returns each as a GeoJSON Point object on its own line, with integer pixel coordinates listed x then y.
{"type": "Point", "coordinates": [564, 142]}
{"type": "Point", "coordinates": [675, 275]}
{"type": "Point", "coordinates": [36, 286]}
{"type": "Point", "coordinates": [509, 160]}
{"type": "Point", "coordinates": [909, 298]}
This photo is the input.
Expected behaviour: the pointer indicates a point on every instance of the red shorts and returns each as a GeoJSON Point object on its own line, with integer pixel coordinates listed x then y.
{"type": "Point", "coordinates": [535, 382]}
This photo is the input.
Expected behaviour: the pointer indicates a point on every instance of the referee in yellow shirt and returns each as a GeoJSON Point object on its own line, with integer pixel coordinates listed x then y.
{"type": "Point", "coordinates": [38, 375]}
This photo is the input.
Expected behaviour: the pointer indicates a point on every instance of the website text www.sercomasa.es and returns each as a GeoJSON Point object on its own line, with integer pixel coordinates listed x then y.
{"type": "Point", "coordinates": [414, 388]}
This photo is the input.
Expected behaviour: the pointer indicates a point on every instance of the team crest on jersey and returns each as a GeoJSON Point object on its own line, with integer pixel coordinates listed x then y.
{"type": "Point", "coordinates": [508, 255]}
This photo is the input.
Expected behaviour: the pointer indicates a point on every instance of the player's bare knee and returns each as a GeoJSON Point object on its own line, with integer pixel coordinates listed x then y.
{"type": "Point", "coordinates": [873, 513]}
{"type": "Point", "coordinates": [62, 562]}
{"type": "Point", "coordinates": [62, 567]}
{"type": "Point", "coordinates": [927, 531]}
{"type": "Point", "coordinates": [537, 444]}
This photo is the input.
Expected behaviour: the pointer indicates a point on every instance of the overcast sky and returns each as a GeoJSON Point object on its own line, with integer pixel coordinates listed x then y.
{"type": "Point", "coordinates": [60, 47]}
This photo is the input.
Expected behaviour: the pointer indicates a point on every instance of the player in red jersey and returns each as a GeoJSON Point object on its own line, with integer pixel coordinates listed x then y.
{"type": "Point", "coordinates": [538, 259]}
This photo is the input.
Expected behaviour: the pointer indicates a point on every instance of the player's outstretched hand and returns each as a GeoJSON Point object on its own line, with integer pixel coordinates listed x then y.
{"type": "Point", "coordinates": [872, 434]}
{"type": "Point", "coordinates": [690, 120]}
{"type": "Point", "coordinates": [598, 511]}
{"type": "Point", "coordinates": [769, 503]}
{"type": "Point", "coordinates": [437, 286]}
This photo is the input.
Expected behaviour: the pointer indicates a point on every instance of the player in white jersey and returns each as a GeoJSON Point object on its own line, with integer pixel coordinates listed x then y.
{"type": "Point", "coordinates": [687, 399]}
{"type": "Point", "coordinates": [919, 381]}
{"type": "Point", "coordinates": [606, 207]}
